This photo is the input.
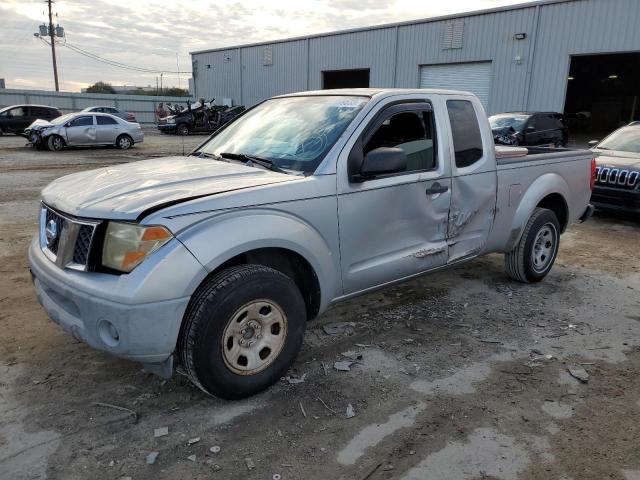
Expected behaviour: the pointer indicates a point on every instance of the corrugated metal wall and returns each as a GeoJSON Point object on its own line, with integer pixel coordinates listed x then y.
{"type": "Point", "coordinates": [394, 54]}
{"type": "Point", "coordinates": [141, 106]}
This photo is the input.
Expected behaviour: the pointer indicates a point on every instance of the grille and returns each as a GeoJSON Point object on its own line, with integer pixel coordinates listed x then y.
{"type": "Point", "coordinates": [59, 221]}
{"type": "Point", "coordinates": [83, 243]}
{"type": "Point", "coordinates": [71, 245]}
{"type": "Point", "coordinates": [617, 178]}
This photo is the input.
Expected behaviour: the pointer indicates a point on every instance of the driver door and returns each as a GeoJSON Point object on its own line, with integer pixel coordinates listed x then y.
{"type": "Point", "coordinates": [394, 226]}
{"type": "Point", "coordinates": [81, 131]}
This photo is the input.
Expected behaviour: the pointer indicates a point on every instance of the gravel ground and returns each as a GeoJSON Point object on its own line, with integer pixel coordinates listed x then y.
{"type": "Point", "coordinates": [460, 375]}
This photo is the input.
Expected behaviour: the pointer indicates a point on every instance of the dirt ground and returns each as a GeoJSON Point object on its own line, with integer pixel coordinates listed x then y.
{"type": "Point", "coordinates": [461, 375]}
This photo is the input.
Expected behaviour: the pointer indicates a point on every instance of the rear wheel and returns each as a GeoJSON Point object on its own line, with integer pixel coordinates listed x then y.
{"type": "Point", "coordinates": [55, 143]}
{"type": "Point", "coordinates": [124, 142]}
{"type": "Point", "coordinates": [182, 129]}
{"type": "Point", "coordinates": [242, 331]}
{"type": "Point", "coordinates": [534, 255]}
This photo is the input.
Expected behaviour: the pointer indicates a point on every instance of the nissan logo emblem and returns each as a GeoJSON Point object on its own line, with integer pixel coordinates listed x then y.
{"type": "Point", "coordinates": [51, 232]}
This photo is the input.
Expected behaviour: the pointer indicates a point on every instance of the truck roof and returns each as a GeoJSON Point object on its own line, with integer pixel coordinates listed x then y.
{"type": "Point", "coordinates": [374, 92]}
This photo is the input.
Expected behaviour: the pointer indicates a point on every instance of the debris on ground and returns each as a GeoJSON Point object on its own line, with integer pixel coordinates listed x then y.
{"type": "Point", "coordinates": [193, 440]}
{"type": "Point", "coordinates": [338, 328]}
{"type": "Point", "coordinates": [343, 366]}
{"type": "Point", "coordinates": [249, 463]}
{"type": "Point", "coordinates": [151, 458]}
{"type": "Point", "coordinates": [276, 476]}
{"type": "Point", "coordinates": [161, 432]}
{"type": "Point", "coordinates": [293, 380]}
{"type": "Point", "coordinates": [192, 458]}
{"type": "Point", "coordinates": [302, 410]}
{"type": "Point", "coordinates": [326, 406]}
{"type": "Point", "coordinates": [213, 465]}
{"type": "Point", "coordinates": [350, 411]}
{"type": "Point", "coordinates": [579, 373]}
{"type": "Point", "coordinates": [132, 414]}
{"type": "Point", "coordinates": [352, 354]}
{"type": "Point", "coordinates": [215, 449]}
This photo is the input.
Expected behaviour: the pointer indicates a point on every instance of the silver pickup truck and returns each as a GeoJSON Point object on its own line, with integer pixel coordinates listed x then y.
{"type": "Point", "coordinates": [216, 261]}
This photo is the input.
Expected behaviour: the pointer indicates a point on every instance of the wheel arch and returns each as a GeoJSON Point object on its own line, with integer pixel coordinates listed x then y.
{"type": "Point", "coordinates": [547, 191]}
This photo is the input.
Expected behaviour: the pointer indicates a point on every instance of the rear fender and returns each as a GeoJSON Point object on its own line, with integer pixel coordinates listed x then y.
{"type": "Point", "coordinates": [541, 187]}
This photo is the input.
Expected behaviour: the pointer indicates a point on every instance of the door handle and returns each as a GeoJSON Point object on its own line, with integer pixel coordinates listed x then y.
{"type": "Point", "coordinates": [436, 188]}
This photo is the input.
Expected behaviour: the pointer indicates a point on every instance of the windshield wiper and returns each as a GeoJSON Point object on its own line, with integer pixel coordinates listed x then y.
{"type": "Point", "coordinates": [249, 159]}
{"type": "Point", "coordinates": [202, 154]}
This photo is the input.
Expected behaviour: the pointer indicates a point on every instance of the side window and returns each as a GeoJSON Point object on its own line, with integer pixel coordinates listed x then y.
{"type": "Point", "coordinates": [110, 110]}
{"type": "Point", "coordinates": [105, 120]}
{"type": "Point", "coordinates": [548, 122]}
{"type": "Point", "coordinates": [17, 112]}
{"type": "Point", "coordinates": [467, 141]}
{"type": "Point", "coordinates": [413, 132]}
{"type": "Point", "coordinates": [39, 112]}
{"type": "Point", "coordinates": [82, 121]}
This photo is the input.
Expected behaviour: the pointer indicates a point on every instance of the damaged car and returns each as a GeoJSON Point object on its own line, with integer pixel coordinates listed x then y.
{"type": "Point", "coordinates": [82, 129]}
{"type": "Point", "coordinates": [215, 262]}
{"type": "Point", "coordinates": [200, 117]}
{"type": "Point", "coordinates": [529, 129]}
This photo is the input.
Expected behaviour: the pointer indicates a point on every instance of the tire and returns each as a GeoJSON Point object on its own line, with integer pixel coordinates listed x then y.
{"type": "Point", "coordinates": [254, 317]}
{"type": "Point", "coordinates": [55, 143]}
{"type": "Point", "coordinates": [124, 142]}
{"type": "Point", "coordinates": [182, 130]}
{"type": "Point", "coordinates": [534, 255]}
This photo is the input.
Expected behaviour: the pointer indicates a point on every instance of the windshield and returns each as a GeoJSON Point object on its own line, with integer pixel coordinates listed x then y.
{"type": "Point", "coordinates": [625, 139]}
{"type": "Point", "coordinates": [294, 133]}
{"type": "Point", "coordinates": [514, 121]}
{"type": "Point", "coordinates": [62, 119]}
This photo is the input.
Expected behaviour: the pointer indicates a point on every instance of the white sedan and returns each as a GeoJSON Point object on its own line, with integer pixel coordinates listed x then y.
{"type": "Point", "coordinates": [81, 129]}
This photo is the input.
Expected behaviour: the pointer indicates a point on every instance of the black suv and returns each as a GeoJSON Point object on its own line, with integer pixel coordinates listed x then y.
{"type": "Point", "coordinates": [16, 118]}
{"type": "Point", "coordinates": [529, 129]}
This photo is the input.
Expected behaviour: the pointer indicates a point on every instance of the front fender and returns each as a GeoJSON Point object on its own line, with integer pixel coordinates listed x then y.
{"type": "Point", "coordinates": [542, 186]}
{"type": "Point", "coordinates": [226, 235]}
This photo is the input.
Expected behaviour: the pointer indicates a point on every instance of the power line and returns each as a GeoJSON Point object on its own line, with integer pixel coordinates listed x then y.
{"type": "Point", "coordinates": [113, 63]}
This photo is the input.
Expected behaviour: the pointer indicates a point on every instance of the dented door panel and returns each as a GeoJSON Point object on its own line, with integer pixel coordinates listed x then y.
{"type": "Point", "coordinates": [392, 232]}
{"type": "Point", "coordinates": [473, 202]}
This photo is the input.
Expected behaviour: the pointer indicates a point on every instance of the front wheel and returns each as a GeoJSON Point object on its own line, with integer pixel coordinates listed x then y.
{"type": "Point", "coordinates": [55, 143]}
{"type": "Point", "coordinates": [182, 130]}
{"type": "Point", "coordinates": [242, 331]}
{"type": "Point", "coordinates": [534, 255]}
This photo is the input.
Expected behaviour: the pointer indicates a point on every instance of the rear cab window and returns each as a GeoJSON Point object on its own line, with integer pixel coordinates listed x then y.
{"type": "Point", "coordinates": [465, 132]}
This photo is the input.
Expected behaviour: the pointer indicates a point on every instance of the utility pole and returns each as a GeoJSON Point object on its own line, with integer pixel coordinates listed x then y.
{"type": "Point", "coordinates": [161, 83]}
{"type": "Point", "coordinates": [52, 36]}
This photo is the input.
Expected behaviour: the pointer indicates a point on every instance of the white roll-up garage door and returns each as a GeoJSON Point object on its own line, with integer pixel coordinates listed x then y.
{"type": "Point", "coordinates": [469, 77]}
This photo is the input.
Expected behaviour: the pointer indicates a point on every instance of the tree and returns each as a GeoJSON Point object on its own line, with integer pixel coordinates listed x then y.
{"type": "Point", "coordinates": [100, 87]}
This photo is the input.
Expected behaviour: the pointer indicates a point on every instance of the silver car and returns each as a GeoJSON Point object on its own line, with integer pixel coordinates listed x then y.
{"type": "Point", "coordinates": [128, 116]}
{"type": "Point", "coordinates": [81, 129]}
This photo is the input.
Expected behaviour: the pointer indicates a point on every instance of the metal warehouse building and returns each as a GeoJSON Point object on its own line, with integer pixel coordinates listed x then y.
{"type": "Point", "coordinates": [574, 56]}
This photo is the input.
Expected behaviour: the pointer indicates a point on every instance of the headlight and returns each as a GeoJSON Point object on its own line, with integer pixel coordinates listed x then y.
{"type": "Point", "coordinates": [126, 245]}
{"type": "Point", "coordinates": [171, 120]}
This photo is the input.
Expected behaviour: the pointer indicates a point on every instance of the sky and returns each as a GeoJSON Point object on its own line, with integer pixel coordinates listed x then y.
{"type": "Point", "coordinates": [159, 34]}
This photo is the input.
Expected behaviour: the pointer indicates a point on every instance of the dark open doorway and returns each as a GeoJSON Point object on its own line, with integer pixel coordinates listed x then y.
{"type": "Point", "coordinates": [346, 78]}
{"type": "Point", "coordinates": [603, 92]}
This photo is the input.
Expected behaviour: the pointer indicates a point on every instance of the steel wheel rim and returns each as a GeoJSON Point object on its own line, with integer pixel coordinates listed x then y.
{"type": "Point", "coordinates": [124, 143]}
{"type": "Point", "coordinates": [254, 337]}
{"type": "Point", "coordinates": [57, 143]}
{"type": "Point", "coordinates": [544, 247]}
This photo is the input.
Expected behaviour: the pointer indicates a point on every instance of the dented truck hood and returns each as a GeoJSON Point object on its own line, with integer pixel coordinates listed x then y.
{"type": "Point", "coordinates": [127, 191]}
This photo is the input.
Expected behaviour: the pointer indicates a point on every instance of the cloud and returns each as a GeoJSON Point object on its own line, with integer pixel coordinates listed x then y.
{"type": "Point", "coordinates": [149, 33]}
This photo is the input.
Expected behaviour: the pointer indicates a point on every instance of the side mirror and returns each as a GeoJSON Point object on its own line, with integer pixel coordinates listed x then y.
{"type": "Point", "coordinates": [593, 143]}
{"type": "Point", "coordinates": [382, 161]}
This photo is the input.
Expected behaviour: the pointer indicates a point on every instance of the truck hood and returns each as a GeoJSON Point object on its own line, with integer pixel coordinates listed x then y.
{"type": "Point", "coordinates": [126, 191]}
{"type": "Point", "coordinates": [617, 159]}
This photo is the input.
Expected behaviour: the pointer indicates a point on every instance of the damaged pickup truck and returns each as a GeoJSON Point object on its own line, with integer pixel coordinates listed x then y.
{"type": "Point", "coordinates": [216, 261]}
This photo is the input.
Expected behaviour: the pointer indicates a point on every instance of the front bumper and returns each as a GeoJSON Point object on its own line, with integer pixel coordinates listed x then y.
{"type": "Point", "coordinates": [167, 127]}
{"type": "Point", "coordinates": [606, 198]}
{"type": "Point", "coordinates": [95, 309]}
